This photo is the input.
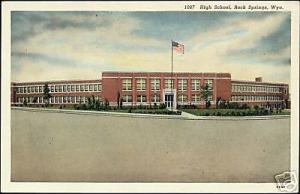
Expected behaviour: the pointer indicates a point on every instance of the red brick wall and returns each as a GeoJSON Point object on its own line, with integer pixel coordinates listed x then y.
{"type": "Point", "coordinates": [223, 89]}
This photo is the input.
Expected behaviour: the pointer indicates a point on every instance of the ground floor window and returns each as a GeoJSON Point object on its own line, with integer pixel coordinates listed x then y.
{"type": "Point", "coordinates": [127, 98]}
{"type": "Point", "coordinates": [141, 98]}
{"type": "Point", "coordinates": [182, 98]}
{"type": "Point", "coordinates": [196, 98]}
{"type": "Point", "coordinates": [155, 98]}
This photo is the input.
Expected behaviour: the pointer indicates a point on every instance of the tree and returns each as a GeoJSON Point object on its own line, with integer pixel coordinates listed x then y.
{"type": "Point", "coordinates": [219, 101]}
{"type": "Point", "coordinates": [35, 99]}
{"type": "Point", "coordinates": [205, 93]}
{"type": "Point", "coordinates": [46, 95]}
{"type": "Point", "coordinates": [25, 102]}
{"type": "Point", "coordinates": [121, 103]}
{"type": "Point", "coordinates": [118, 99]}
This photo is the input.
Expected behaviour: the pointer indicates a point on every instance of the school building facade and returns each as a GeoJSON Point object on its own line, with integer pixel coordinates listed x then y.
{"type": "Point", "coordinates": [149, 88]}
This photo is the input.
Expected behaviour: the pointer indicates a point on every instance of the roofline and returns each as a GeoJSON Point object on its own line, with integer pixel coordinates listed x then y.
{"type": "Point", "coordinates": [275, 83]}
{"type": "Point", "coordinates": [55, 81]}
{"type": "Point", "coordinates": [174, 72]}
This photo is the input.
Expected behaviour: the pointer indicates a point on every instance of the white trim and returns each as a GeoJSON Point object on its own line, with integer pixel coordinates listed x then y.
{"type": "Point", "coordinates": [112, 77]}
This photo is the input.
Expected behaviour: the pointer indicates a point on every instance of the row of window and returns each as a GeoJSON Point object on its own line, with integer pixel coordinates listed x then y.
{"type": "Point", "coordinates": [168, 84]}
{"type": "Point", "coordinates": [249, 88]}
{"type": "Point", "coordinates": [61, 88]}
{"type": "Point", "coordinates": [56, 99]}
{"type": "Point", "coordinates": [255, 98]}
{"type": "Point", "coordinates": [156, 98]}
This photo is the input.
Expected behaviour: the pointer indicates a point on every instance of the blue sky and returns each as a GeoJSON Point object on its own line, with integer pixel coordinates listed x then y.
{"type": "Point", "coordinates": [80, 45]}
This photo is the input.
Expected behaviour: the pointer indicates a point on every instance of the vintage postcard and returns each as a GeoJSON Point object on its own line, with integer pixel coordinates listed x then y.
{"type": "Point", "coordinates": [150, 96]}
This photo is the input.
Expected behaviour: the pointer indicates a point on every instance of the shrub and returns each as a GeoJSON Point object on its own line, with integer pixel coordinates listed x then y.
{"type": "Point", "coordinates": [206, 114]}
{"type": "Point", "coordinates": [244, 106]}
{"type": "Point", "coordinates": [162, 106]}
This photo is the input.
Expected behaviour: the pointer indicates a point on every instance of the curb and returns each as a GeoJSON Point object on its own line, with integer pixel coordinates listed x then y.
{"type": "Point", "coordinates": [155, 116]}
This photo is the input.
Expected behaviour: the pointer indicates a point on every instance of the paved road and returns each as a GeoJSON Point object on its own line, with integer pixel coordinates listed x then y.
{"type": "Point", "coordinates": [69, 147]}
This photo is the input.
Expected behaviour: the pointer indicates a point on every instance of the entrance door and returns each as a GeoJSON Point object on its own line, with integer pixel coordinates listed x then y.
{"type": "Point", "coordinates": [169, 98]}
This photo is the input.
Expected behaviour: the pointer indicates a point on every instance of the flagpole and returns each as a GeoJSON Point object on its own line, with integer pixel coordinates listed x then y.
{"type": "Point", "coordinates": [172, 73]}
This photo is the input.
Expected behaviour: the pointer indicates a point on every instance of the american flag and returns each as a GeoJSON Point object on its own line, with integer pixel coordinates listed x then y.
{"type": "Point", "coordinates": [178, 47]}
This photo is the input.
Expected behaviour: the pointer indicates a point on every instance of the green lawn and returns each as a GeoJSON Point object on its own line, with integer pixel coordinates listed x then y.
{"type": "Point", "coordinates": [235, 112]}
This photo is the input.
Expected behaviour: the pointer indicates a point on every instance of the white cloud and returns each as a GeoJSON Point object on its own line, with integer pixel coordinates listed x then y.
{"type": "Point", "coordinates": [207, 51]}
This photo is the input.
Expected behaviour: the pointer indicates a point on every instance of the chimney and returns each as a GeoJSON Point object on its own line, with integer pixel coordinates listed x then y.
{"type": "Point", "coordinates": [258, 79]}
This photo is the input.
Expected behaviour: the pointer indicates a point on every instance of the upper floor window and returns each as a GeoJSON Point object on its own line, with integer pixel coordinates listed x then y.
{"type": "Point", "coordinates": [182, 85]}
{"type": "Point", "coordinates": [127, 84]}
{"type": "Point", "coordinates": [155, 84]}
{"type": "Point", "coordinates": [60, 88]}
{"type": "Point", "coordinates": [195, 84]}
{"type": "Point", "coordinates": [141, 84]}
{"type": "Point", "coordinates": [81, 88]}
{"type": "Point", "coordinates": [169, 84]}
{"type": "Point", "coordinates": [209, 82]}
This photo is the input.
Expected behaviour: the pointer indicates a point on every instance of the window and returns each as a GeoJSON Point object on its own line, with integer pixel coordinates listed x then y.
{"type": "Point", "coordinates": [86, 87]}
{"type": "Point", "coordinates": [68, 88]}
{"type": "Point", "coordinates": [127, 98]}
{"type": "Point", "coordinates": [195, 84]}
{"type": "Point", "coordinates": [195, 98]}
{"type": "Point", "coordinates": [21, 90]}
{"type": "Point", "coordinates": [56, 88]}
{"type": "Point", "coordinates": [60, 88]}
{"type": "Point", "coordinates": [32, 89]}
{"type": "Point", "coordinates": [126, 84]}
{"type": "Point", "coordinates": [91, 87]}
{"type": "Point", "coordinates": [28, 90]}
{"type": "Point", "coordinates": [81, 88]}
{"type": "Point", "coordinates": [64, 88]}
{"type": "Point", "coordinates": [72, 88]}
{"type": "Point", "coordinates": [77, 88]}
{"type": "Point", "coordinates": [141, 98]}
{"type": "Point", "coordinates": [99, 87]}
{"type": "Point", "coordinates": [36, 89]}
{"type": "Point", "coordinates": [40, 89]}
{"type": "Point", "coordinates": [182, 85]}
{"type": "Point", "coordinates": [168, 83]}
{"type": "Point", "coordinates": [209, 82]}
{"type": "Point", "coordinates": [209, 98]}
{"type": "Point", "coordinates": [141, 84]}
{"type": "Point", "coordinates": [155, 98]}
{"type": "Point", "coordinates": [52, 88]}
{"type": "Point", "coordinates": [182, 98]}
{"type": "Point", "coordinates": [155, 84]}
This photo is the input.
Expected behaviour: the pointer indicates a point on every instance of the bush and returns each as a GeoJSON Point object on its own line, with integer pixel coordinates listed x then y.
{"type": "Point", "coordinates": [206, 114]}
{"type": "Point", "coordinates": [162, 106]}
